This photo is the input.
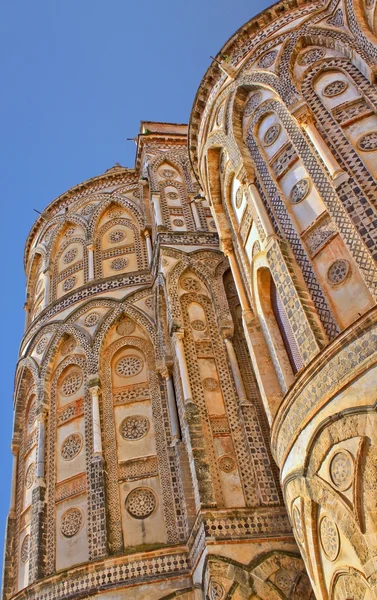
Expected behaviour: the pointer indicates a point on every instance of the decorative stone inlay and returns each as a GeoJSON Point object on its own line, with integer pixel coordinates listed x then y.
{"type": "Point", "coordinates": [116, 236]}
{"type": "Point", "coordinates": [368, 142]}
{"type": "Point", "coordinates": [256, 248]}
{"type": "Point", "coordinates": [267, 59]}
{"type": "Point", "coordinates": [140, 503]}
{"type": "Point", "coordinates": [190, 284]}
{"type": "Point", "coordinates": [32, 413]}
{"type": "Point", "coordinates": [178, 222]}
{"type": "Point", "coordinates": [134, 427]}
{"type": "Point", "coordinates": [129, 366]}
{"type": "Point", "coordinates": [87, 210]}
{"type": "Point", "coordinates": [71, 383]}
{"type": "Point", "coordinates": [92, 319]}
{"type": "Point", "coordinates": [338, 271]}
{"type": "Point", "coordinates": [252, 103]}
{"type": "Point", "coordinates": [125, 327]}
{"type": "Point", "coordinates": [25, 549]}
{"type": "Point", "coordinates": [335, 88]}
{"type": "Point", "coordinates": [210, 384]}
{"type": "Point", "coordinates": [68, 346]}
{"type": "Point", "coordinates": [272, 134]}
{"type": "Point", "coordinates": [311, 56]}
{"type": "Point", "coordinates": [71, 522]}
{"type": "Point", "coordinates": [149, 303]}
{"type": "Point", "coordinates": [70, 255]}
{"type": "Point", "coordinates": [227, 463]}
{"type": "Point", "coordinates": [329, 536]}
{"type": "Point", "coordinates": [283, 580]}
{"type": "Point", "coordinates": [341, 470]}
{"type": "Point", "coordinates": [30, 475]}
{"type": "Point", "coordinates": [239, 197]}
{"type": "Point", "coordinates": [41, 346]}
{"type": "Point", "coordinates": [172, 195]}
{"type": "Point", "coordinates": [217, 591]}
{"type": "Point", "coordinates": [198, 325]}
{"type": "Point", "coordinates": [69, 232]}
{"type": "Point", "coordinates": [298, 524]}
{"type": "Point", "coordinates": [119, 263]}
{"type": "Point", "coordinates": [300, 190]}
{"type": "Point", "coordinates": [114, 213]}
{"type": "Point", "coordinates": [69, 283]}
{"type": "Point", "coordinates": [168, 173]}
{"type": "Point", "coordinates": [71, 446]}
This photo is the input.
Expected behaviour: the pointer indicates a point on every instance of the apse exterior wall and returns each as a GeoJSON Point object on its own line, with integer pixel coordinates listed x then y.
{"type": "Point", "coordinates": [283, 139]}
{"type": "Point", "coordinates": [142, 464]}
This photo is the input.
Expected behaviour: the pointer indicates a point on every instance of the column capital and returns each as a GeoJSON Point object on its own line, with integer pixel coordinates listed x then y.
{"type": "Point", "coordinates": [178, 333]}
{"type": "Point", "coordinates": [302, 113]}
{"type": "Point", "coordinates": [94, 385]}
{"type": "Point", "coordinates": [146, 232]}
{"type": "Point", "coordinates": [15, 448]}
{"type": "Point", "coordinates": [90, 246]}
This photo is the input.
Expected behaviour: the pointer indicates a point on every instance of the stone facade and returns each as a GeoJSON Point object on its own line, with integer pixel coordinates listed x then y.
{"type": "Point", "coordinates": [283, 139]}
{"type": "Point", "coordinates": [189, 324]}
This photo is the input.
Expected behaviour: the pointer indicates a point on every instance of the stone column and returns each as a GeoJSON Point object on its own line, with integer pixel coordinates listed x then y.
{"type": "Point", "coordinates": [96, 482]}
{"type": "Point", "coordinates": [195, 214]}
{"type": "Point", "coordinates": [90, 249]}
{"type": "Point", "coordinates": [96, 421]}
{"type": "Point", "coordinates": [305, 119]}
{"type": "Point", "coordinates": [41, 445]}
{"type": "Point", "coordinates": [157, 210]}
{"type": "Point", "coordinates": [13, 494]}
{"type": "Point", "coordinates": [227, 248]}
{"type": "Point", "coordinates": [172, 404]}
{"type": "Point", "coordinates": [47, 279]}
{"type": "Point", "coordinates": [38, 517]}
{"type": "Point", "coordinates": [27, 315]}
{"type": "Point", "coordinates": [149, 245]}
{"type": "Point", "coordinates": [183, 370]}
{"type": "Point", "coordinates": [241, 392]}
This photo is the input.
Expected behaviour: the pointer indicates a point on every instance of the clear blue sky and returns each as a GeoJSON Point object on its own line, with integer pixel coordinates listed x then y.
{"type": "Point", "coordinates": [77, 77]}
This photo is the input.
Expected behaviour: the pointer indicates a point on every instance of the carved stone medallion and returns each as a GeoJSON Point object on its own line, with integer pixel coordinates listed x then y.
{"type": "Point", "coordinates": [267, 59]}
{"type": "Point", "coordinates": [25, 549]}
{"type": "Point", "coordinates": [329, 536]}
{"type": "Point", "coordinates": [129, 366]}
{"type": "Point", "coordinates": [140, 503]}
{"type": "Point", "coordinates": [338, 271]}
{"type": "Point", "coordinates": [118, 264]}
{"type": "Point", "coordinates": [272, 134]}
{"type": "Point", "coordinates": [71, 522]}
{"type": "Point", "coordinates": [190, 284]}
{"type": "Point", "coordinates": [311, 56]}
{"type": "Point", "coordinates": [368, 142]}
{"type": "Point", "coordinates": [298, 523]}
{"type": "Point", "coordinates": [341, 470]}
{"type": "Point", "coordinates": [92, 319]}
{"type": "Point", "coordinates": [71, 446]}
{"type": "Point", "coordinates": [178, 222]}
{"type": "Point", "coordinates": [335, 88]}
{"type": "Point", "coordinates": [30, 475]}
{"type": "Point", "coordinates": [300, 190]}
{"type": "Point", "coordinates": [71, 383]}
{"type": "Point", "coordinates": [198, 325]}
{"type": "Point", "coordinates": [227, 463]}
{"type": "Point", "coordinates": [70, 255]}
{"type": "Point", "coordinates": [210, 384]}
{"type": "Point", "coordinates": [134, 427]}
{"type": "Point", "coordinates": [69, 283]}
{"type": "Point", "coordinates": [125, 327]}
{"type": "Point", "coordinates": [217, 590]}
{"type": "Point", "coordinates": [116, 236]}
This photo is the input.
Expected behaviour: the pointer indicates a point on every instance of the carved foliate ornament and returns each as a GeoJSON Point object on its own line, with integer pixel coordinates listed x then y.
{"type": "Point", "coordinates": [329, 536]}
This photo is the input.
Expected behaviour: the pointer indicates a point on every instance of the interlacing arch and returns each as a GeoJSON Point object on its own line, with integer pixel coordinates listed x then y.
{"type": "Point", "coordinates": [349, 584]}
{"type": "Point", "coordinates": [105, 201]}
{"type": "Point", "coordinates": [178, 161]}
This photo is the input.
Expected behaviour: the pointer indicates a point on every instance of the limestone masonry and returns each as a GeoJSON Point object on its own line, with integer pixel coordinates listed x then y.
{"type": "Point", "coordinates": [195, 398]}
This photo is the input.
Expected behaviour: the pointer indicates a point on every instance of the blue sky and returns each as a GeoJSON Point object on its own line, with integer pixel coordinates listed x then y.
{"type": "Point", "coordinates": [77, 77]}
